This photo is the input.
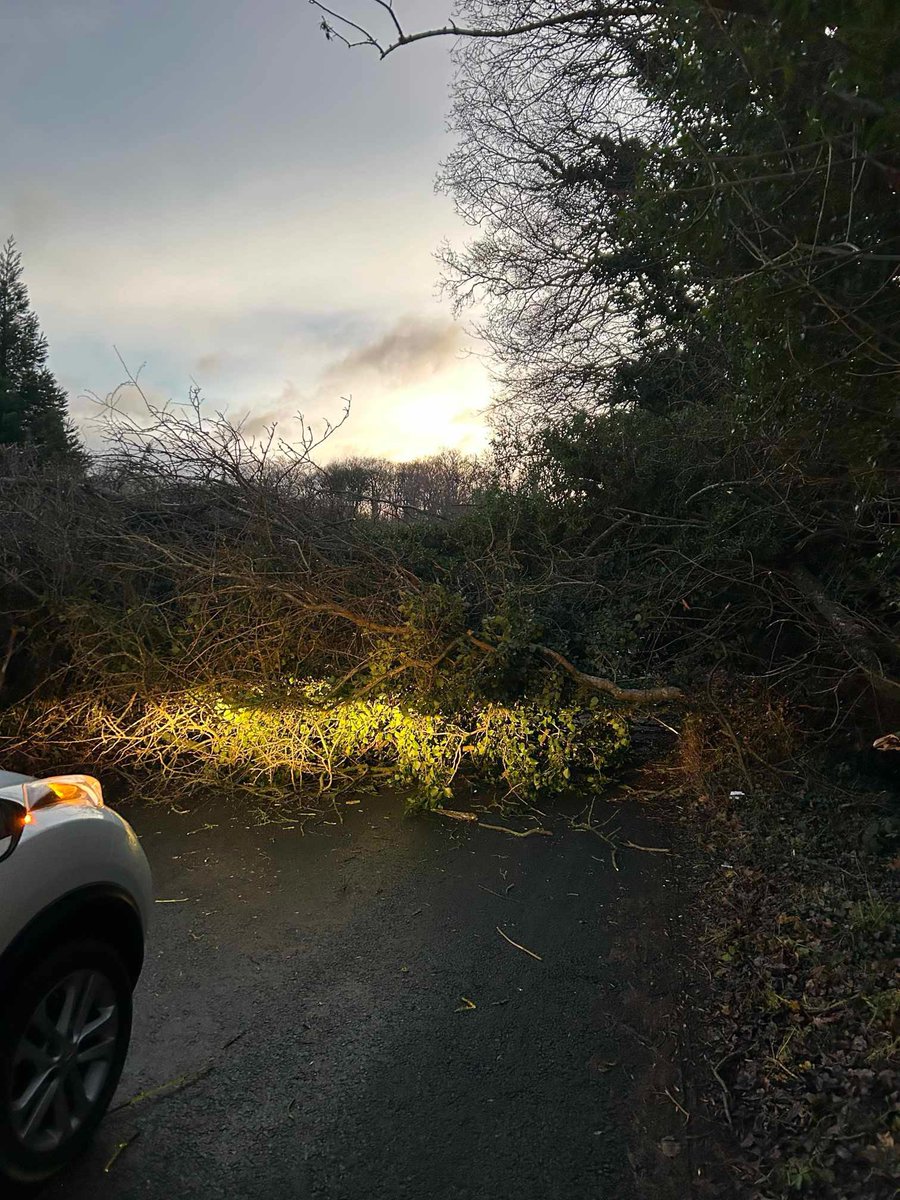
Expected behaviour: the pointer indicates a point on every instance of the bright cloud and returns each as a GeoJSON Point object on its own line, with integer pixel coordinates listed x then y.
{"type": "Point", "coordinates": [225, 198]}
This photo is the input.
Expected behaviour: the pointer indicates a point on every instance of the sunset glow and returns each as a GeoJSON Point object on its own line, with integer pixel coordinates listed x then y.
{"type": "Point", "coordinates": [276, 249]}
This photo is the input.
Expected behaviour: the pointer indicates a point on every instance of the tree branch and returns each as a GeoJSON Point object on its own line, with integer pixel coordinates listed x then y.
{"type": "Point", "coordinates": [335, 610]}
{"type": "Point", "coordinates": [597, 682]}
{"type": "Point", "coordinates": [596, 12]}
{"type": "Point", "coordinates": [626, 695]}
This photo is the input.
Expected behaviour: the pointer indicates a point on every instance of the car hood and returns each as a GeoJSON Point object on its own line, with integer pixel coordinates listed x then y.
{"type": "Point", "coordinates": [9, 778]}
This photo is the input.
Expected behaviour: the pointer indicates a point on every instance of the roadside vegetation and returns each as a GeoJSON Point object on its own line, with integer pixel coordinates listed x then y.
{"type": "Point", "coordinates": [799, 927]}
{"type": "Point", "coordinates": [685, 254]}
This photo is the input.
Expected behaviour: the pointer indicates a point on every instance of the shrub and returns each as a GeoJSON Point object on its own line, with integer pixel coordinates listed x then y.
{"type": "Point", "coordinates": [307, 738]}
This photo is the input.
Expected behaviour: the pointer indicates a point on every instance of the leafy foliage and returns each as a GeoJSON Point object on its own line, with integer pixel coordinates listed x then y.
{"type": "Point", "coordinates": [307, 737]}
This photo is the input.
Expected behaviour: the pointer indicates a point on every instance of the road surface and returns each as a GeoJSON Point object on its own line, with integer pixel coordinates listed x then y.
{"type": "Point", "coordinates": [336, 1012]}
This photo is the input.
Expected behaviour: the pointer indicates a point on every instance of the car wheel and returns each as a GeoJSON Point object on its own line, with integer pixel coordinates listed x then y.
{"type": "Point", "coordinates": [64, 1033]}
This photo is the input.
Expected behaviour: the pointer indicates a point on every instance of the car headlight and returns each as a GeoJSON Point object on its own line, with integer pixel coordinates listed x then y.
{"type": "Point", "coordinates": [81, 790]}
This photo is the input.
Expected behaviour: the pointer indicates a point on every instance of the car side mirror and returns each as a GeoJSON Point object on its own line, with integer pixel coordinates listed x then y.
{"type": "Point", "coordinates": [13, 818]}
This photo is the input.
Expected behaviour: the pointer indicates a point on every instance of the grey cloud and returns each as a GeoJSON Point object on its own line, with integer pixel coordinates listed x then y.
{"type": "Point", "coordinates": [259, 424]}
{"type": "Point", "coordinates": [31, 211]}
{"type": "Point", "coordinates": [283, 409]}
{"type": "Point", "coordinates": [412, 351]}
{"type": "Point", "coordinates": [209, 364]}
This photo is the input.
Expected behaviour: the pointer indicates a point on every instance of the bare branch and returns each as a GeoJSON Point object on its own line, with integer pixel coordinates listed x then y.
{"type": "Point", "coordinates": [627, 695]}
{"type": "Point", "coordinates": [579, 16]}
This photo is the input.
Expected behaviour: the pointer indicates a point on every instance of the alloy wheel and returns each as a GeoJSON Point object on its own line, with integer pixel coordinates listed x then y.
{"type": "Point", "coordinates": [63, 1060]}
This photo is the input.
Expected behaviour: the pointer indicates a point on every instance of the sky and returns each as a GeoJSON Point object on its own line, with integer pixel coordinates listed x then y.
{"type": "Point", "coordinates": [211, 191]}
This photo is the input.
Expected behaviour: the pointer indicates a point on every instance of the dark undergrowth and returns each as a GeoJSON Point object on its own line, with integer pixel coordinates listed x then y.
{"type": "Point", "coordinates": [795, 932]}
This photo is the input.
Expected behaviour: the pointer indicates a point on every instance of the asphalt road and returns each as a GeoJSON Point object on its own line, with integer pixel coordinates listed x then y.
{"type": "Point", "coordinates": [335, 1014]}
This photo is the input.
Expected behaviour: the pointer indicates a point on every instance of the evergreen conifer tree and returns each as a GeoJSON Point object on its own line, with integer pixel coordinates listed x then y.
{"type": "Point", "coordinates": [33, 408]}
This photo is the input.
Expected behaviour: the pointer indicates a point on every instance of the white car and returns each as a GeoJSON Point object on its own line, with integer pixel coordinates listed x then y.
{"type": "Point", "coordinates": [75, 900]}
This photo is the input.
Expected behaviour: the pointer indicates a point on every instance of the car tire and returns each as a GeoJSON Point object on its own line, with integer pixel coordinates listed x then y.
{"type": "Point", "coordinates": [64, 1031]}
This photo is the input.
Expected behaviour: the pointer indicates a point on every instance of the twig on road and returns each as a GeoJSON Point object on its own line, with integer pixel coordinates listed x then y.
{"type": "Point", "coordinates": [499, 895]}
{"type": "Point", "coordinates": [721, 1082]}
{"type": "Point", "coordinates": [520, 833]}
{"type": "Point", "coordinates": [178, 1084]}
{"type": "Point", "coordinates": [121, 1147]}
{"type": "Point", "coordinates": [166, 1089]}
{"type": "Point", "coordinates": [588, 826]}
{"type": "Point", "coordinates": [680, 1107]}
{"type": "Point", "coordinates": [524, 949]}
